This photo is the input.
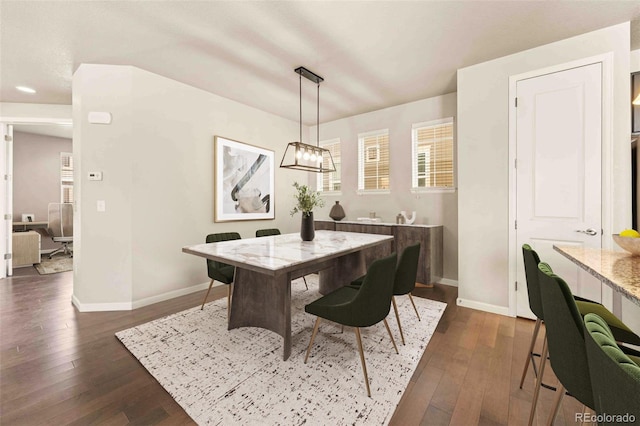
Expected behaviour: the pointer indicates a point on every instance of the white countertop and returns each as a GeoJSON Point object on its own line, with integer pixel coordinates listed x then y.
{"type": "Point", "coordinates": [279, 253]}
{"type": "Point", "coordinates": [364, 222]}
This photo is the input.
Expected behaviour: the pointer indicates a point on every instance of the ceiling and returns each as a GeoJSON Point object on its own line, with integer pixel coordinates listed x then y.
{"type": "Point", "coordinates": [372, 54]}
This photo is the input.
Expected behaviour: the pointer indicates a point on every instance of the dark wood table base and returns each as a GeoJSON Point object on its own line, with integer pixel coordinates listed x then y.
{"type": "Point", "coordinates": [264, 301]}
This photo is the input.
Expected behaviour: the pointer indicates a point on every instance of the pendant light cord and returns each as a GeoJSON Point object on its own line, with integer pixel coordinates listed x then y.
{"type": "Point", "coordinates": [300, 79]}
{"type": "Point", "coordinates": [318, 118]}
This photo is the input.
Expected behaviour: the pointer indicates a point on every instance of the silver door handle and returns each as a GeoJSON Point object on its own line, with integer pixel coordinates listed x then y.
{"type": "Point", "coordinates": [588, 231]}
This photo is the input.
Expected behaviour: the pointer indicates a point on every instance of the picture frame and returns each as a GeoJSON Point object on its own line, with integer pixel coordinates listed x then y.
{"type": "Point", "coordinates": [635, 109]}
{"type": "Point", "coordinates": [244, 181]}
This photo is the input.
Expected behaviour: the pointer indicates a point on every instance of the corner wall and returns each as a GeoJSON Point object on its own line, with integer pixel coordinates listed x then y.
{"type": "Point", "coordinates": [157, 163]}
{"type": "Point", "coordinates": [483, 153]}
{"type": "Point", "coordinates": [432, 208]}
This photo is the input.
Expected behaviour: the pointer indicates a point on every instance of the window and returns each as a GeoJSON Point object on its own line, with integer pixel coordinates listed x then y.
{"type": "Point", "coordinates": [328, 182]}
{"type": "Point", "coordinates": [66, 177]}
{"type": "Point", "coordinates": [373, 161]}
{"type": "Point", "coordinates": [432, 159]}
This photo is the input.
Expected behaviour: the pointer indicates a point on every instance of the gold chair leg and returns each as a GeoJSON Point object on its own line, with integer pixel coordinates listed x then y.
{"type": "Point", "coordinates": [386, 324]}
{"type": "Point", "coordinates": [395, 309]}
{"type": "Point", "coordinates": [305, 282]}
{"type": "Point", "coordinates": [364, 365]}
{"type": "Point", "coordinates": [206, 295]}
{"type": "Point", "coordinates": [543, 358]}
{"type": "Point", "coordinates": [313, 336]}
{"type": "Point", "coordinates": [552, 416]}
{"type": "Point", "coordinates": [414, 306]}
{"type": "Point", "coordinates": [530, 353]}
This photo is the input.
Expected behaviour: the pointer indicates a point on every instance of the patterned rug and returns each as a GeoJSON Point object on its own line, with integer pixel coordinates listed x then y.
{"type": "Point", "coordinates": [60, 263]}
{"type": "Point", "coordinates": [223, 377]}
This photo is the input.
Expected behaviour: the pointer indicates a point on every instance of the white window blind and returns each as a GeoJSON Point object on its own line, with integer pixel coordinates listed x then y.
{"type": "Point", "coordinates": [373, 161]}
{"type": "Point", "coordinates": [330, 181]}
{"type": "Point", "coordinates": [66, 177]}
{"type": "Point", "coordinates": [432, 154]}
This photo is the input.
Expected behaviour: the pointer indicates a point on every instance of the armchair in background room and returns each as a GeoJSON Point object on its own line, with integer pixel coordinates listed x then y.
{"type": "Point", "coordinates": [61, 227]}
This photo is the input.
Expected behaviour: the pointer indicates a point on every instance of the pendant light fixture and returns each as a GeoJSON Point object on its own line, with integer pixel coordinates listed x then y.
{"type": "Point", "coordinates": [302, 156]}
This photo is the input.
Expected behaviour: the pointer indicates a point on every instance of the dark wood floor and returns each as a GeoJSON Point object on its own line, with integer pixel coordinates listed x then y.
{"type": "Point", "coordinates": [59, 366]}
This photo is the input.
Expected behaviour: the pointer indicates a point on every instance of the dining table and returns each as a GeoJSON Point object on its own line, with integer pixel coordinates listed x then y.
{"type": "Point", "coordinates": [619, 270]}
{"type": "Point", "coordinates": [265, 267]}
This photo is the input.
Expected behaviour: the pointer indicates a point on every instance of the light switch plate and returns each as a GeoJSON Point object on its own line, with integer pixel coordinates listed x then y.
{"type": "Point", "coordinates": [101, 206]}
{"type": "Point", "coordinates": [95, 175]}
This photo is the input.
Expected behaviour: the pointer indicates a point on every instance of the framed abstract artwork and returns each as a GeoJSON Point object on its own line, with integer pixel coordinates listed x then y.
{"type": "Point", "coordinates": [244, 177]}
{"type": "Point", "coordinates": [635, 109]}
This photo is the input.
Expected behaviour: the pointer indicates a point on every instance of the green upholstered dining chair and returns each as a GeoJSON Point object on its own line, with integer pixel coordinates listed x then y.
{"type": "Point", "coordinates": [558, 301]}
{"type": "Point", "coordinates": [404, 281]}
{"type": "Point", "coordinates": [565, 344]}
{"type": "Point", "coordinates": [615, 377]}
{"type": "Point", "coordinates": [362, 307]}
{"type": "Point", "coordinates": [219, 271]}
{"type": "Point", "coordinates": [585, 306]}
{"type": "Point", "coordinates": [267, 232]}
{"type": "Point", "coordinates": [274, 231]}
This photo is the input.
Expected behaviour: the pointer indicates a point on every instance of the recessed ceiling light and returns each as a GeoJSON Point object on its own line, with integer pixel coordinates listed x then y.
{"type": "Point", "coordinates": [26, 89]}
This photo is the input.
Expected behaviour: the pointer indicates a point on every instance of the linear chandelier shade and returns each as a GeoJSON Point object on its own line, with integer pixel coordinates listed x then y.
{"type": "Point", "coordinates": [302, 156]}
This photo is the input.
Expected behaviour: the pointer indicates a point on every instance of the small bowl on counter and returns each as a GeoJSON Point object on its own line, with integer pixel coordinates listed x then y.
{"type": "Point", "coordinates": [630, 244]}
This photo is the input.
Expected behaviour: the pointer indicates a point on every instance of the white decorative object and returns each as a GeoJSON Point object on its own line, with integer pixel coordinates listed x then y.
{"type": "Point", "coordinates": [406, 219]}
{"type": "Point", "coordinates": [369, 220]}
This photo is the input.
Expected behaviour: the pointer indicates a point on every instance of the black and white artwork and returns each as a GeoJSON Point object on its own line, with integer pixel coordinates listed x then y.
{"type": "Point", "coordinates": [244, 181]}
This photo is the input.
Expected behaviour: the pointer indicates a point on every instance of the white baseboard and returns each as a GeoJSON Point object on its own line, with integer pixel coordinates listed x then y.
{"type": "Point", "coordinates": [480, 306]}
{"type": "Point", "coordinates": [100, 307]}
{"type": "Point", "coordinates": [447, 281]}
{"type": "Point", "coordinates": [128, 306]}
{"type": "Point", "coordinates": [172, 294]}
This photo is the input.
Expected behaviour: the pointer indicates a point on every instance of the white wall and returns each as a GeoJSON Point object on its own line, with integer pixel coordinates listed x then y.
{"type": "Point", "coordinates": [483, 166]}
{"type": "Point", "coordinates": [439, 208]}
{"type": "Point", "coordinates": [634, 62]}
{"type": "Point", "coordinates": [157, 164]}
{"type": "Point", "coordinates": [17, 111]}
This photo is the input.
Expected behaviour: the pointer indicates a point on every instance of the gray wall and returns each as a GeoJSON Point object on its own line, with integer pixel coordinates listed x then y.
{"type": "Point", "coordinates": [432, 208]}
{"type": "Point", "coordinates": [483, 158]}
{"type": "Point", "coordinates": [157, 163]}
{"type": "Point", "coordinates": [36, 175]}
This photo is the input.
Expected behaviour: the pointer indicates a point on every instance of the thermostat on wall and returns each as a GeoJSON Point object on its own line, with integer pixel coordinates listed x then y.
{"type": "Point", "coordinates": [95, 175]}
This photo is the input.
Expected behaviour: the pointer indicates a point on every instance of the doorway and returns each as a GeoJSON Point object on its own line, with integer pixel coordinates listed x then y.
{"type": "Point", "coordinates": [40, 185]}
{"type": "Point", "coordinates": [556, 146]}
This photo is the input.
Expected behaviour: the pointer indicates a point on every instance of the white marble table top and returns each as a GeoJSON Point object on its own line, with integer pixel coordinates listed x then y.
{"type": "Point", "coordinates": [620, 270]}
{"type": "Point", "coordinates": [279, 253]}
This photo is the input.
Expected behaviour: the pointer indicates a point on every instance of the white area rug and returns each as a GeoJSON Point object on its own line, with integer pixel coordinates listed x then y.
{"type": "Point", "coordinates": [238, 376]}
{"type": "Point", "coordinates": [59, 263]}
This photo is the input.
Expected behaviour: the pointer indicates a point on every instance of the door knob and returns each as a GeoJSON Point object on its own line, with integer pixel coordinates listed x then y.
{"type": "Point", "coordinates": [588, 231]}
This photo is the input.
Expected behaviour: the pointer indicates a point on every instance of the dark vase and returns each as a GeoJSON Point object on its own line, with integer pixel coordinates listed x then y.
{"type": "Point", "coordinates": [307, 231]}
{"type": "Point", "coordinates": [337, 212]}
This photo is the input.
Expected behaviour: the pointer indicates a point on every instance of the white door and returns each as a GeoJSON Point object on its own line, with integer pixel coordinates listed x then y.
{"type": "Point", "coordinates": [558, 172]}
{"type": "Point", "coordinates": [6, 197]}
